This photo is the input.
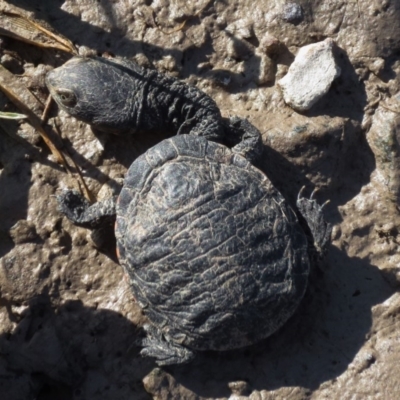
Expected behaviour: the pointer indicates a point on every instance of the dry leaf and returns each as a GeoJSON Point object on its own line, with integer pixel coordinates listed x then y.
{"type": "Point", "coordinates": [27, 30]}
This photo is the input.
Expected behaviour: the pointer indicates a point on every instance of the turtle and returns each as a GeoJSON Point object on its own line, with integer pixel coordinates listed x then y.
{"type": "Point", "coordinates": [216, 257]}
{"type": "Point", "coordinates": [121, 97]}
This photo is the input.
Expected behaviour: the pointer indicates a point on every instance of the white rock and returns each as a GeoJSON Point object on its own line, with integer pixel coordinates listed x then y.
{"type": "Point", "coordinates": [310, 75]}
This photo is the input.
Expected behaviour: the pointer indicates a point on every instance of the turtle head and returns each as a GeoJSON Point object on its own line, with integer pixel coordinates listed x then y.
{"type": "Point", "coordinates": [92, 91]}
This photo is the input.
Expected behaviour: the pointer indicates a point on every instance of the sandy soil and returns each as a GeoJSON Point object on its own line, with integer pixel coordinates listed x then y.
{"type": "Point", "coordinates": [68, 323]}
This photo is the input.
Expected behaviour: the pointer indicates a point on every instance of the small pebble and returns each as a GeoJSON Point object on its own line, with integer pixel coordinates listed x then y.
{"type": "Point", "coordinates": [293, 13]}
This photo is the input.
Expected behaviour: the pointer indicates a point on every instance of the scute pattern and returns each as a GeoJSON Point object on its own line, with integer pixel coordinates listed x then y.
{"type": "Point", "coordinates": [216, 257]}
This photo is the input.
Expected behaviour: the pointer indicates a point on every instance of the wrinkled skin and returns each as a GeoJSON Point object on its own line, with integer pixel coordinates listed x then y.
{"type": "Point", "coordinates": [122, 96]}
{"type": "Point", "coordinates": [215, 255]}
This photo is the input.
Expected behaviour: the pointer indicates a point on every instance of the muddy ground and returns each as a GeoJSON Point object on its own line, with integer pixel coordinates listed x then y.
{"type": "Point", "coordinates": [68, 321]}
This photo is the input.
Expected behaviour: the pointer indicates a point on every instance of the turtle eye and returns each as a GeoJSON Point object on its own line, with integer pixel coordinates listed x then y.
{"type": "Point", "coordinates": [66, 97]}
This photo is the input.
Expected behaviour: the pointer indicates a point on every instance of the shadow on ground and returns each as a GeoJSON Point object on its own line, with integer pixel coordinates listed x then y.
{"type": "Point", "coordinates": [77, 352]}
{"type": "Point", "coordinates": [16, 158]}
{"type": "Point", "coordinates": [71, 352]}
{"type": "Point", "coordinates": [316, 345]}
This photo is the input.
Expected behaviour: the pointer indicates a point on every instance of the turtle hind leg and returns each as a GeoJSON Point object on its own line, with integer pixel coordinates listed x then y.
{"type": "Point", "coordinates": [313, 214]}
{"type": "Point", "coordinates": [165, 352]}
{"type": "Point", "coordinates": [245, 138]}
{"type": "Point", "coordinates": [78, 210]}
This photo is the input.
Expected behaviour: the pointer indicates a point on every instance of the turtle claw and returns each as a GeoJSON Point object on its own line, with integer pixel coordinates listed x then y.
{"type": "Point", "coordinates": [300, 194]}
{"type": "Point", "coordinates": [313, 193]}
{"type": "Point", "coordinates": [325, 204]}
{"type": "Point", "coordinates": [313, 214]}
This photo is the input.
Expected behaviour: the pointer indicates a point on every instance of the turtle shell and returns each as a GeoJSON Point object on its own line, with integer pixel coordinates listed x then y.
{"type": "Point", "coordinates": [216, 257]}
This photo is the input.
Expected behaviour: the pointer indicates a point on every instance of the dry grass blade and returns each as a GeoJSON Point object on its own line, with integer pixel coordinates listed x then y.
{"type": "Point", "coordinates": [81, 181]}
{"type": "Point", "coordinates": [10, 115]}
{"type": "Point", "coordinates": [177, 29]}
{"type": "Point", "coordinates": [22, 28]}
{"type": "Point", "coordinates": [183, 24]}
{"type": "Point", "coordinates": [390, 109]}
{"type": "Point", "coordinates": [36, 122]}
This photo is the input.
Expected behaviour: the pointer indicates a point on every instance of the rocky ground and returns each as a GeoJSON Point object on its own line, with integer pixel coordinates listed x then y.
{"type": "Point", "coordinates": [68, 321]}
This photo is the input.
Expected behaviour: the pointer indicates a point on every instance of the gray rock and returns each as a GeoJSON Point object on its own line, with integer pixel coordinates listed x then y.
{"type": "Point", "coordinates": [293, 13]}
{"type": "Point", "coordinates": [310, 76]}
{"type": "Point", "coordinates": [384, 139]}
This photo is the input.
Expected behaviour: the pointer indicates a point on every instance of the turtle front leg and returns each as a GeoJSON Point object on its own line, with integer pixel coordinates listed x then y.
{"type": "Point", "coordinates": [246, 137]}
{"type": "Point", "coordinates": [166, 353]}
{"type": "Point", "coordinates": [78, 210]}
